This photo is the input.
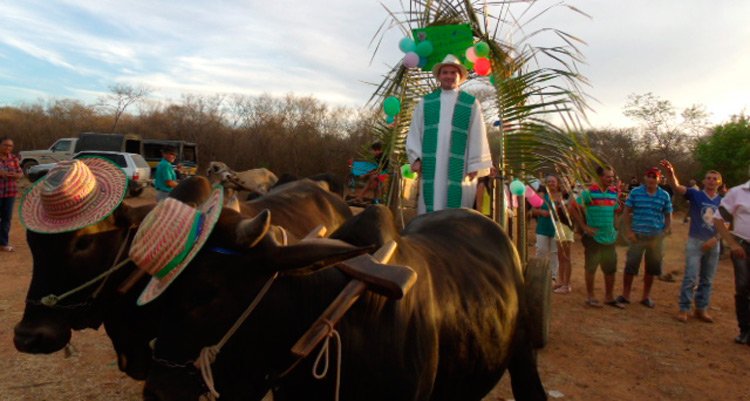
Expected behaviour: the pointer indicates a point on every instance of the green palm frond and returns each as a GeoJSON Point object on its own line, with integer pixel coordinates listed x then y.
{"type": "Point", "coordinates": [538, 89]}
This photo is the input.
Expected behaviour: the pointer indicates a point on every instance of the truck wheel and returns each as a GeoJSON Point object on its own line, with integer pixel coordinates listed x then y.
{"type": "Point", "coordinates": [25, 166]}
{"type": "Point", "coordinates": [538, 289]}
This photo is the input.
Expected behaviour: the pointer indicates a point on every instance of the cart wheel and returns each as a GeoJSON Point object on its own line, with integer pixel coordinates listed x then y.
{"type": "Point", "coordinates": [538, 289]}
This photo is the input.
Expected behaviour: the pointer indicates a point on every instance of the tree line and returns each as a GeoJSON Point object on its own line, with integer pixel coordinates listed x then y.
{"type": "Point", "coordinates": [685, 138]}
{"type": "Point", "coordinates": [304, 136]}
{"type": "Point", "coordinates": [290, 134]}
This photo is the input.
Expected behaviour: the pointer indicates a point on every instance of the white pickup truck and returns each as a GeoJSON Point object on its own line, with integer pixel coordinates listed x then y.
{"type": "Point", "coordinates": [62, 149]}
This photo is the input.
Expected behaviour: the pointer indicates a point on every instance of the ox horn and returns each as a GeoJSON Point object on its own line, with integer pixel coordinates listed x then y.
{"type": "Point", "coordinates": [317, 232]}
{"type": "Point", "coordinates": [251, 231]}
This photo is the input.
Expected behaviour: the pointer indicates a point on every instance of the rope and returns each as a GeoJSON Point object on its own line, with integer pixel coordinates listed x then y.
{"type": "Point", "coordinates": [52, 299]}
{"type": "Point", "coordinates": [120, 251]}
{"type": "Point", "coordinates": [208, 354]}
{"type": "Point", "coordinates": [325, 351]}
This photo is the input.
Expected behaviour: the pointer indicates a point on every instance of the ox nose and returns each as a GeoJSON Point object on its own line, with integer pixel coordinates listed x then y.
{"type": "Point", "coordinates": [41, 339]}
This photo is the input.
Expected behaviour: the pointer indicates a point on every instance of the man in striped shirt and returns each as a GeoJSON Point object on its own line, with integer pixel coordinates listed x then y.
{"type": "Point", "coordinates": [648, 216]}
{"type": "Point", "coordinates": [599, 203]}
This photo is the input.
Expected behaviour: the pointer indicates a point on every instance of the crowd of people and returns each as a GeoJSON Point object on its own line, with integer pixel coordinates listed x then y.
{"type": "Point", "coordinates": [646, 209]}
{"type": "Point", "coordinates": [447, 144]}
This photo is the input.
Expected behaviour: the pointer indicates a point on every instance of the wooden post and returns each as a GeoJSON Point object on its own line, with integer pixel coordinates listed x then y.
{"type": "Point", "coordinates": [521, 224]}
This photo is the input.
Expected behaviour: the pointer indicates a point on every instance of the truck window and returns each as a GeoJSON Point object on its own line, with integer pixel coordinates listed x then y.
{"type": "Point", "coordinates": [132, 146]}
{"type": "Point", "coordinates": [61, 146]}
{"type": "Point", "coordinates": [188, 154]}
{"type": "Point", "coordinates": [152, 151]}
{"type": "Point", "coordinates": [116, 158]}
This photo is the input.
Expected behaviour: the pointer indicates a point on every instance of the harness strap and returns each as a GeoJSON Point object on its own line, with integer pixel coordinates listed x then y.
{"type": "Point", "coordinates": [208, 354]}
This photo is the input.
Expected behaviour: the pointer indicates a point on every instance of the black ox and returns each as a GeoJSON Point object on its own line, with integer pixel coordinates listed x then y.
{"type": "Point", "coordinates": [64, 261]}
{"type": "Point", "coordinates": [451, 338]}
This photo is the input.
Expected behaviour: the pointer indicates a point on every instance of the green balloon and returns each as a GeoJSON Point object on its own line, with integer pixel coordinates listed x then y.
{"type": "Point", "coordinates": [517, 187]}
{"type": "Point", "coordinates": [390, 119]}
{"type": "Point", "coordinates": [424, 48]}
{"type": "Point", "coordinates": [391, 106]}
{"type": "Point", "coordinates": [482, 49]}
{"type": "Point", "coordinates": [406, 171]}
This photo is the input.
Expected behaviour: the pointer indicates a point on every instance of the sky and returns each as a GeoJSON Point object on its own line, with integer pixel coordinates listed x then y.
{"type": "Point", "coordinates": [685, 51]}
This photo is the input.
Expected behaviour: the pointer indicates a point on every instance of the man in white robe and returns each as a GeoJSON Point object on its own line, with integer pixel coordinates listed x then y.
{"type": "Point", "coordinates": [454, 134]}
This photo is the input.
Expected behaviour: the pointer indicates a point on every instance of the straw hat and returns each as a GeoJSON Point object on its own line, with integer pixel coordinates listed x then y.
{"type": "Point", "coordinates": [169, 238]}
{"type": "Point", "coordinates": [74, 194]}
{"type": "Point", "coordinates": [453, 61]}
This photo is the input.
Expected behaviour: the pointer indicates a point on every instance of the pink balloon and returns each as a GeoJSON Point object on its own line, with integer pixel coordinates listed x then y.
{"type": "Point", "coordinates": [471, 54]}
{"type": "Point", "coordinates": [534, 199]}
{"type": "Point", "coordinates": [411, 60]}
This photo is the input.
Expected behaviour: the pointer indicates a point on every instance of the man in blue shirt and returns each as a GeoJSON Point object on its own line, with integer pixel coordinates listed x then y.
{"type": "Point", "coordinates": [702, 249]}
{"type": "Point", "coordinates": [165, 177]}
{"type": "Point", "coordinates": [648, 216]}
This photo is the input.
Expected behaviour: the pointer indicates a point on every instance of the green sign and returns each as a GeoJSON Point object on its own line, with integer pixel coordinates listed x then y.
{"type": "Point", "coordinates": [445, 39]}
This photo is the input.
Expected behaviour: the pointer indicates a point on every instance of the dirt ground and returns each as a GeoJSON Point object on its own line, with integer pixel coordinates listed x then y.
{"type": "Point", "coordinates": [593, 354]}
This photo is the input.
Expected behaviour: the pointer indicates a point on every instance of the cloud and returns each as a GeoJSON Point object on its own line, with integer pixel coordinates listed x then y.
{"type": "Point", "coordinates": [692, 54]}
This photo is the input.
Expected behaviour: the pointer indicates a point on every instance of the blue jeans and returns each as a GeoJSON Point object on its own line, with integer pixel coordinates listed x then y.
{"type": "Point", "coordinates": [742, 287]}
{"type": "Point", "coordinates": [6, 211]}
{"type": "Point", "coordinates": [700, 268]}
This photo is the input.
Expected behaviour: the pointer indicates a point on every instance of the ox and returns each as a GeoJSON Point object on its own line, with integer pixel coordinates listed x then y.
{"type": "Point", "coordinates": [258, 180]}
{"type": "Point", "coordinates": [64, 261]}
{"type": "Point", "coordinates": [451, 338]}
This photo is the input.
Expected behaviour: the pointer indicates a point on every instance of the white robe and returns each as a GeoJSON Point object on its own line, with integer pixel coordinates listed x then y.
{"type": "Point", "coordinates": [477, 159]}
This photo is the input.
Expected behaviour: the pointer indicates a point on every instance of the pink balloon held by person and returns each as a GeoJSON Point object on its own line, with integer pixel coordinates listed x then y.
{"type": "Point", "coordinates": [534, 199]}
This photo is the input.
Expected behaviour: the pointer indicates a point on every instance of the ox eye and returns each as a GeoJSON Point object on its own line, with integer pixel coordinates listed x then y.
{"type": "Point", "coordinates": [83, 243]}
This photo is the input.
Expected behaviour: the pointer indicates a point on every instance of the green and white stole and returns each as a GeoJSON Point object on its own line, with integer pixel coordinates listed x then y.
{"type": "Point", "coordinates": [459, 136]}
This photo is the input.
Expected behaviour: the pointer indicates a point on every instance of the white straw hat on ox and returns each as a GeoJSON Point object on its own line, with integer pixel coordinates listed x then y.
{"type": "Point", "coordinates": [74, 194]}
{"type": "Point", "coordinates": [169, 238]}
{"type": "Point", "coordinates": [451, 60]}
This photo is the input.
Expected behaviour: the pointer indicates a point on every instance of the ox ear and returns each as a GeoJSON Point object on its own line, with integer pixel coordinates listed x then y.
{"type": "Point", "coordinates": [128, 216]}
{"type": "Point", "coordinates": [314, 254]}
{"type": "Point", "coordinates": [250, 231]}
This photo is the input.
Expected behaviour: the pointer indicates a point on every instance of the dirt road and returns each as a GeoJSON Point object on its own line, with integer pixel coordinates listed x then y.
{"type": "Point", "coordinates": [593, 354]}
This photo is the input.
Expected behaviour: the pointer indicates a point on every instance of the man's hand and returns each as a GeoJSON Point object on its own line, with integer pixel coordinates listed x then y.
{"type": "Point", "coordinates": [709, 244]}
{"type": "Point", "coordinates": [630, 235]}
{"type": "Point", "coordinates": [738, 251]}
{"type": "Point", "coordinates": [667, 166]}
{"type": "Point", "coordinates": [472, 175]}
{"type": "Point", "coordinates": [590, 231]}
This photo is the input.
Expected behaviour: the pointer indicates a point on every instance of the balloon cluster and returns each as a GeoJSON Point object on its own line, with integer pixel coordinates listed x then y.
{"type": "Point", "coordinates": [477, 55]}
{"type": "Point", "coordinates": [416, 53]}
{"type": "Point", "coordinates": [391, 107]}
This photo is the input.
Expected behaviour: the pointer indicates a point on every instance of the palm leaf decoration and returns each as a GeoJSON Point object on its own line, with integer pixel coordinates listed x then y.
{"type": "Point", "coordinates": [536, 91]}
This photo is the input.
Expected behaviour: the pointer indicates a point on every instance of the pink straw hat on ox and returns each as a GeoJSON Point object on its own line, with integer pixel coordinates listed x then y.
{"type": "Point", "coordinates": [169, 238]}
{"type": "Point", "coordinates": [74, 194]}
